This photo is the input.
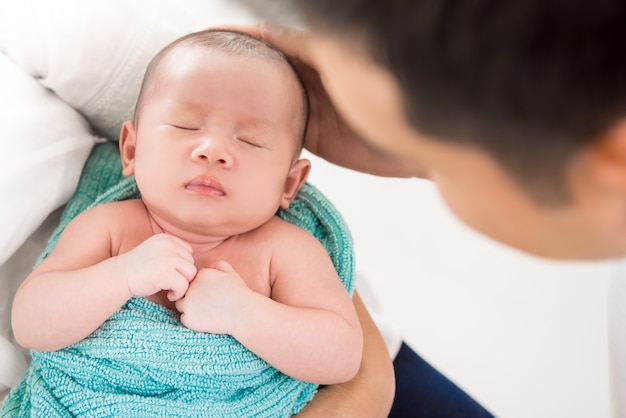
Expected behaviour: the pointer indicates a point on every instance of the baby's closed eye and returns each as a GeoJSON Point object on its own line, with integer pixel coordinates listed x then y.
{"type": "Point", "coordinates": [185, 127]}
{"type": "Point", "coordinates": [250, 141]}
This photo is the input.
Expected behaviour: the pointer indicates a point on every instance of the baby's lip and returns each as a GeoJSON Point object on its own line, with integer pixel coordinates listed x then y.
{"type": "Point", "coordinates": [206, 185]}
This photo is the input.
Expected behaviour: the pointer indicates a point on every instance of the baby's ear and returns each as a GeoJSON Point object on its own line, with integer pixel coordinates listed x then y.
{"type": "Point", "coordinates": [128, 137]}
{"type": "Point", "coordinates": [295, 180]}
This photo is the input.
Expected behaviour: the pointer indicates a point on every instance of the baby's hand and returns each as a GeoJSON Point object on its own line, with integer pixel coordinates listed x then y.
{"type": "Point", "coordinates": [213, 299]}
{"type": "Point", "coordinates": [162, 262]}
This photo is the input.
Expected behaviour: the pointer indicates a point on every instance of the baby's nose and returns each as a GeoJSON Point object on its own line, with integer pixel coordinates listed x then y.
{"type": "Point", "coordinates": [212, 151]}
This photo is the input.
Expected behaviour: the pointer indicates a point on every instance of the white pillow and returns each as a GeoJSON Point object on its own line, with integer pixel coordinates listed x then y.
{"type": "Point", "coordinates": [43, 146]}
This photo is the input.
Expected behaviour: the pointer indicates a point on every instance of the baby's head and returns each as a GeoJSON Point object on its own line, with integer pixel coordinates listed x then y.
{"type": "Point", "coordinates": [218, 129]}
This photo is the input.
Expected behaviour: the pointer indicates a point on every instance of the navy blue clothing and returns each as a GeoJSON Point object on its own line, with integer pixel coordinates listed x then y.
{"type": "Point", "coordinates": [421, 391]}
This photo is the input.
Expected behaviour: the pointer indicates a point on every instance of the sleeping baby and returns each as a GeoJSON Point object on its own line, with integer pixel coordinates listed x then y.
{"type": "Point", "coordinates": [194, 299]}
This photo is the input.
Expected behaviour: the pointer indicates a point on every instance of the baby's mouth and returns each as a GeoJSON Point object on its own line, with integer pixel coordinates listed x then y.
{"type": "Point", "coordinates": [206, 185]}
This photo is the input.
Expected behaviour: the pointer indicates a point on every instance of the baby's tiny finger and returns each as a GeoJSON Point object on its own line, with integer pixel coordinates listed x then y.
{"type": "Point", "coordinates": [187, 270]}
{"type": "Point", "coordinates": [178, 290]}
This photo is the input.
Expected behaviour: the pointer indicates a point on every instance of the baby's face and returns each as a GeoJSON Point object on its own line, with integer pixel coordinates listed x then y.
{"type": "Point", "coordinates": [216, 139]}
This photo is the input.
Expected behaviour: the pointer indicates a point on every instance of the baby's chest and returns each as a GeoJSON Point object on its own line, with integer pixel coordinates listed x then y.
{"type": "Point", "coordinates": [252, 268]}
{"type": "Point", "coordinates": [252, 265]}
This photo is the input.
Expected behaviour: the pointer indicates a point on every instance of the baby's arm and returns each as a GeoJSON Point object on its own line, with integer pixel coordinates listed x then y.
{"type": "Point", "coordinates": [308, 329]}
{"type": "Point", "coordinates": [80, 285]}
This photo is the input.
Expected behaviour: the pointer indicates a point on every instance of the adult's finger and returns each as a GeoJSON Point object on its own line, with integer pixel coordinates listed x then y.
{"type": "Point", "coordinates": [293, 42]}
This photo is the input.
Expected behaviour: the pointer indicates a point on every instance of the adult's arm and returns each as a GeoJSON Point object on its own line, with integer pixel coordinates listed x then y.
{"type": "Point", "coordinates": [371, 392]}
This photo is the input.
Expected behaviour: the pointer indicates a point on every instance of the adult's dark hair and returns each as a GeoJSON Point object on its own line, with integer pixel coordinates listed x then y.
{"type": "Point", "coordinates": [528, 81]}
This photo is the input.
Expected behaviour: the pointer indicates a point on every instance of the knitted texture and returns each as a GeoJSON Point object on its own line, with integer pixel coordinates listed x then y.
{"type": "Point", "coordinates": [142, 362]}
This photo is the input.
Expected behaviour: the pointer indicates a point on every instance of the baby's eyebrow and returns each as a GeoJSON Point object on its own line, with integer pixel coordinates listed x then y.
{"type": "Point", "coordinates": [259, 124]}
{"type": "Point", "coordinates": [187, 106]}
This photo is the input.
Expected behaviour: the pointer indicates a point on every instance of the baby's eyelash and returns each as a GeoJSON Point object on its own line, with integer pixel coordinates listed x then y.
{"type": "Point", "coordinates": [186, 128]}
{"type": "Point", "coordinates": [245, 141]}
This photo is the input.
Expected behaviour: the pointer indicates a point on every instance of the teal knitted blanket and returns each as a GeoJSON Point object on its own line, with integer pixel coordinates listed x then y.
{"type": "Point", "coordinates": [142, 362]}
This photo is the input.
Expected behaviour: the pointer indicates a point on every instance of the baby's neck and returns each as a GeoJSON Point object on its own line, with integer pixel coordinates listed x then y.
{"type": "Point", "coordinates": [200, 242]}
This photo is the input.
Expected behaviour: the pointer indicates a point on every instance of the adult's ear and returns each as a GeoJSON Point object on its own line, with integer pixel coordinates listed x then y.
{"type": "Point", "coordinates": [295, 180]}
{"type": "Point", "coordinates": [608, 159]}
{"type": "Point", "coordinates": [128, 138]}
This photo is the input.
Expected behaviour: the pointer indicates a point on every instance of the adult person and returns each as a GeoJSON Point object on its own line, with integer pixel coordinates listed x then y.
{"type": "Point", "coordinates": [514, 109]}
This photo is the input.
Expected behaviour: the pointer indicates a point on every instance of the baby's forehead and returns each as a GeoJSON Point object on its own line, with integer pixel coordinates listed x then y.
{"type": "Point", "coordinates": [182, 57]}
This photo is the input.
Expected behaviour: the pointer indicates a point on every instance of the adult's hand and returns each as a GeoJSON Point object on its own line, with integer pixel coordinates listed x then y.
{"type": "Point", "coordinates": [327, 135]}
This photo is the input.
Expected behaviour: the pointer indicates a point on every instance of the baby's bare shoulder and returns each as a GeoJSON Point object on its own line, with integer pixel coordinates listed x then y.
{"type": "Point", "coordinates": [110, 216]}
{"type": "Point", "coordinates": [288, 230]}
{"type": "Point", "coordinates": [125, 209]}
{"type": "Point", "coordinates": [284, 234]}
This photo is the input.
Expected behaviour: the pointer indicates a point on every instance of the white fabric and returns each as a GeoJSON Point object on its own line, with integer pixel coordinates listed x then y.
{"type": "Point", "coordinates": [66, 55]}
{"type": "Point", "coordinates": [44, 144]}
{"type": "Point", "coordinates": [617, 336]}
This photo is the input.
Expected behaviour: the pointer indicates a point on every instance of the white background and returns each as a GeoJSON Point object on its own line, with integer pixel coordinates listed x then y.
{"type": "Point", "coordinates": [524, 336]}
